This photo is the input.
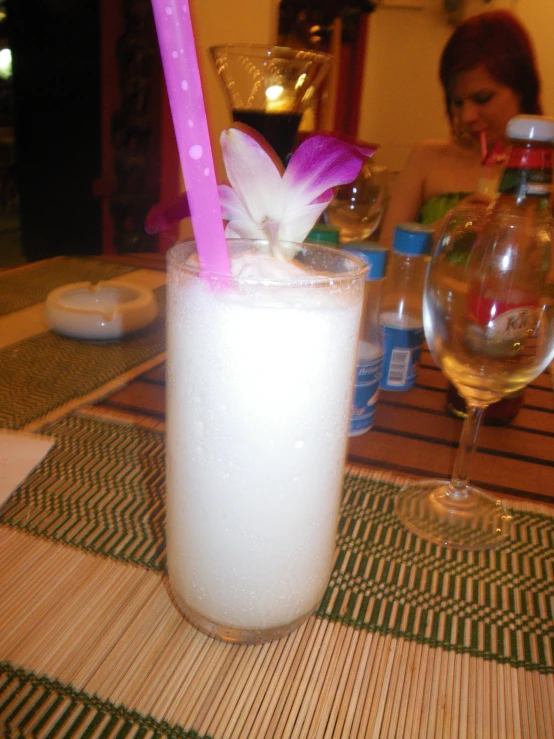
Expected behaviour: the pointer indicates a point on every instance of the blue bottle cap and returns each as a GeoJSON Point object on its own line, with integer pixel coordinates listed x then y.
{"type": "Point", "coordinates": [324, 235]}
{"type": "Point", "coordinates": [373, 254]}
{"type": "Point", "coordinates": [413, 239]}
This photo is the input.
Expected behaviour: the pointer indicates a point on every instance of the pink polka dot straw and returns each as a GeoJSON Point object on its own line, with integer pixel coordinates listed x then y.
{"type": "Point", "coordinates": [182, 77]}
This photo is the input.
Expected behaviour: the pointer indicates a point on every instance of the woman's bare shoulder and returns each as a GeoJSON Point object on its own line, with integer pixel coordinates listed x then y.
{"type": "Point", "coordinates": [432, 144]}
{"type": "Point", "coordinates": [442, 166]}
{"type": "Point", "coordinates": [434, 149]}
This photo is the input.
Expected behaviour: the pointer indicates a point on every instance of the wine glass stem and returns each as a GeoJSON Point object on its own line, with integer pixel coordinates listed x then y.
{"type": "Point", "coordinates": [460, 476]}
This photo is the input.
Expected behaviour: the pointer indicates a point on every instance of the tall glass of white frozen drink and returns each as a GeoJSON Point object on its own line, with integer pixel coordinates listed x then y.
{"type": "Point", "coordinates": [259, 381]}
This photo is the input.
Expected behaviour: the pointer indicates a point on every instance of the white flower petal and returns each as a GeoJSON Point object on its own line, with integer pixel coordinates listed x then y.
{"type": "Point", "coordinates": [253, 176]}
{"type": "Point", "coordinates": [244, 230]}
{"type": "Point", "coordinates": [300, 222]}
{"type": "Point", "coordinates": [232, 207]}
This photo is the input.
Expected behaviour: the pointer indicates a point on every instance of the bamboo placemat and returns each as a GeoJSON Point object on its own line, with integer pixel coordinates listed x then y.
{"type": "Point", "coordinates": [47, 371]}
{"type": "Point", "coordinates": [411, 639]}
{"type": "Point", "coordinates": [31, 283]}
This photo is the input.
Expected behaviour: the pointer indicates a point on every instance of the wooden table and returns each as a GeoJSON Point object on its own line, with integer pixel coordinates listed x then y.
{"type": "Point", "coordinates": [411, 640]}
{"type": "Point", "coordinates": [414, 433]}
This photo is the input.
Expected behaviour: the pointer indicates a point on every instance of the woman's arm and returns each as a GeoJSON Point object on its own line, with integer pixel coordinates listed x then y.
{"type": "Point", "coordinates": [408, 193]}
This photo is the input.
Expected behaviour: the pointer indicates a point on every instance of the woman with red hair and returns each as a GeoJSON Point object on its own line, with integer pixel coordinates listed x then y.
{"type": "Point", "coordinates": [488, 74]}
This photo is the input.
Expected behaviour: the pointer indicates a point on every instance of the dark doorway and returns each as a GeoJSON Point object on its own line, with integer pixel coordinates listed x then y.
{"type": "Point", "coordinates": [56, 89]}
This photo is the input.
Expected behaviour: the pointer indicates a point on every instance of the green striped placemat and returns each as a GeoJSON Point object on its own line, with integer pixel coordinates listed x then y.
{"type": "Point", "coordinates": [46, 371]}
{"type": "Point", "coordinates": [108, 478]}
{"type": "Point", "coordinates": [37, 706]}
{"type": "Point", "coordinates": [31, 284]}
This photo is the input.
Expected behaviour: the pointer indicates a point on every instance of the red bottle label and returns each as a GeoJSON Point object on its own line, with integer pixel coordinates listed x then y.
{"type": "Point", "coordinates": [504, 324]}
{"type": "Point", "coordinates": [486, 308]}
{"type": "Point", "coordinates": [513, 324]}
{"type": "Point", "coordinates": [522, 157]}
{"type": "Point", "coordinates": [528, 172]}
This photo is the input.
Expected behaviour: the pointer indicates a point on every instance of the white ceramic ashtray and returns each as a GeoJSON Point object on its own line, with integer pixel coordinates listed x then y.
{"type": "Point", "coordinates": [107, 310]}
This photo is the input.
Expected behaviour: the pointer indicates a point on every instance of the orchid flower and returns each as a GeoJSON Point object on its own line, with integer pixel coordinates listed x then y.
{"type": "Point", "coordinates": [266, 202]}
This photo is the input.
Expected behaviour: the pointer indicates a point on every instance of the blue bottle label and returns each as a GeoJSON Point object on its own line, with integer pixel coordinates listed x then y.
{"type": "Point", "coordinates": [401, 350]}
{"type": "Point", "coordinates": [366, 391]}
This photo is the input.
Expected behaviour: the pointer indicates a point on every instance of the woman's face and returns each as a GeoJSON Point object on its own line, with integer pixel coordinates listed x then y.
{"type": "Point", "coordinates": [481, 104]}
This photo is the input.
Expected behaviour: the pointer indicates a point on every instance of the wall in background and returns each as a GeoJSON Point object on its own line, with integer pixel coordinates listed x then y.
{"type": "Point", "coordinates": [402, 101]}
{"type": "Point", "coordinates": [223, 22]}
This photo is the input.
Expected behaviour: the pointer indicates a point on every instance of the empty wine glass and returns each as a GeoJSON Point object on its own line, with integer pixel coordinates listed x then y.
{"type": "Point", "coordinates": [488, 315]}
{"type": "Point", "coordinates": [357, 208]}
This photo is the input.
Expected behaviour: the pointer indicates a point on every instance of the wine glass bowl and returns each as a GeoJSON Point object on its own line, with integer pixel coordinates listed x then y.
{"type": "Point", "coordinates": [358, 207]}
{"type": "Point", "coordinates": [270, 87]}
{"type": "Point", "coordinates": [488, 316]}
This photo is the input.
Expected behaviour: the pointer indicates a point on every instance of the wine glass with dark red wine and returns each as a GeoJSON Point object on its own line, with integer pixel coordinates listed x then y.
{"type": "Point", "coordinates": [270, 87]}
{"type": "Point", "coordinates": [488, 315]}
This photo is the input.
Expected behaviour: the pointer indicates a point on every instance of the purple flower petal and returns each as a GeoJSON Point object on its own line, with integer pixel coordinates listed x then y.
{"type": "Point", "coordinates": [325, 196]}
{"type": "Point", "coordinates": [319, 163]}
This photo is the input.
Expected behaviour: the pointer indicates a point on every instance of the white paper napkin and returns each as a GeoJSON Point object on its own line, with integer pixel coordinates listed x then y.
{"type": "Point", "coordinates": [20, 452]}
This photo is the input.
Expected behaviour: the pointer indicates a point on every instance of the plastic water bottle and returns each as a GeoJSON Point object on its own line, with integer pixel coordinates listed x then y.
{"type": "Point", "coordinates": [401, 314]}
{"type": "Point", "coordinates": [370, 351]}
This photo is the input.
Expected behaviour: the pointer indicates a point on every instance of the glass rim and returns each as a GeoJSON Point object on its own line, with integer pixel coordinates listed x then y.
{"type": "Point", "coordinates": [485, 218]}
{"type": "Point", "coordinates": [488, 210]}
{"type": "Point", "coordinates": [272, 51]}
{"type": "Point", "coordinates": [174, 254]}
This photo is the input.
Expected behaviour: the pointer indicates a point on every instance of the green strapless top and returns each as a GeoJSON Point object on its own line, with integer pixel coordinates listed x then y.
{"type": "Point", "coordinates": [437, 206]}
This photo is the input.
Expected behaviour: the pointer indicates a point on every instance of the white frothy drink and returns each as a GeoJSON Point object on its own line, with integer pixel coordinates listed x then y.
{"type": "Point", "coordinates": [259, 389]}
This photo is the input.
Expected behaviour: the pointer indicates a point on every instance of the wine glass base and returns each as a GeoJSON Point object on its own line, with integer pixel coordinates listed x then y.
{"type": "Point", "coordinates": [473, 521]}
